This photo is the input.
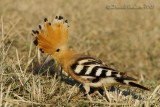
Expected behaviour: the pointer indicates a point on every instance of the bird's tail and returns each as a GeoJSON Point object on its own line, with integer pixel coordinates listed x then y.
{"type": "Point", "coordinates": [137, 85]}
{"type": "Point", "coordinates": [131, 82]}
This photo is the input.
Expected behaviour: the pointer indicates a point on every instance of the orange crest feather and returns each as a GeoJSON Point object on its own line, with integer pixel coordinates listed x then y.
{"type": "Point", "coordinates": [53, 36]}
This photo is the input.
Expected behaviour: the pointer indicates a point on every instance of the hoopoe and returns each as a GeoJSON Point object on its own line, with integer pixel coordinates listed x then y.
{"type": "Point", "coordinates": [87, 70]}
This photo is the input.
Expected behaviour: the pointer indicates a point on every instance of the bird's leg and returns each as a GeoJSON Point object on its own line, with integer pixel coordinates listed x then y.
{"type": "Point", "coordinates": [95, 92]}
{"type": "Point", "coordinates": [87, 88]}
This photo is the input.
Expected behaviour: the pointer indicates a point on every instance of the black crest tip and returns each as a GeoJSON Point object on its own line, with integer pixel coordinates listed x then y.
{"type": "Point", "coordinates": [34, 31]}
{"type": "Point", "coordinates": [37, 32]}
{"type": "Point", "coordinates": [35, 42]}
{"type": "Point", "coordinates": [45, 19]}
{"type": "Point", "coordinates": [40, 27]}
{"type": "Point", "coordinates": [66, 21]}
{"type": "Point", "coordinates": [41, 50]}
{"type": "Point", "coordinates": [56, 17]}
{"type": "Point", "coordinates": [60, 17]}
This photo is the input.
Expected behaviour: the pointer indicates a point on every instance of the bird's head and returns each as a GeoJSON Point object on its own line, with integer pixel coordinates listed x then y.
{"type": "Point", "coordinates": [53, 38]}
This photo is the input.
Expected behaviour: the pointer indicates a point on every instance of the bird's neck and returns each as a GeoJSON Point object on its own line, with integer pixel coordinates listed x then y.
{"type": "Point", "coordinates": [64, 56]}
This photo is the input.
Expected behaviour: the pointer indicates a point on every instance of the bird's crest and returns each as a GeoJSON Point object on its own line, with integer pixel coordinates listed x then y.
{"type": "Point", "coordinates": [48, 39]}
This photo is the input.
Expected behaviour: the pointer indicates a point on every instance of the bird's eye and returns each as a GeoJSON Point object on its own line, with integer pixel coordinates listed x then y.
{"type": "Point", "coordinates": [57, 50]}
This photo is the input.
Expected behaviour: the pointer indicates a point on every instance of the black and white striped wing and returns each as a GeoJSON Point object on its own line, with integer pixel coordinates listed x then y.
{"type": "Point", "coordinates": [90, 67]}
{"type": "Point", "coordinates": [97, 74]}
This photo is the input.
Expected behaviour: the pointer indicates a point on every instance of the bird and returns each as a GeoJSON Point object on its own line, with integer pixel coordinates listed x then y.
{"type": "Point", "coordinates": [52, 39]}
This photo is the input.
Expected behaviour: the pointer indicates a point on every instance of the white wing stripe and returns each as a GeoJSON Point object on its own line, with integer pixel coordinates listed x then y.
{"type": "Point", "coordinates": [99, 71]}
{"type": "Point", "coordinates": [78, 69]}
{"type": "Point", "coordinates": [89, 70]}
{"type": "Point", "coordinates": [118, 75]}
{"type": "Point", "coordinates": [126, 82]}
{"type": "Point", "coordinates": [85, 60]}
{"type": "Point", "coordinates": [108, 73]}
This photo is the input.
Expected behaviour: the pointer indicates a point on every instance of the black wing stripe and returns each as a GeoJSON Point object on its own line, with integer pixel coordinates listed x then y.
{"type": "Point", "coordinates": [107, 68]}
{"type": "Point", "coordinates": [114, 72]}
{"type": "Point", "coordinates": [91, 62]}
{"type": "Point", "coordinates": [83, 71]}
{"type": "Point", "coordinates": [94, 70]}
{"type": "Point", "coordinates": [73, 66]}
{"type": "Point", "coordinates": [103, 74]}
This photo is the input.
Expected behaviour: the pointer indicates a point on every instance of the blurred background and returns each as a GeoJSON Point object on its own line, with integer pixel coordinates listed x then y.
{"type": "Point", "coordinates": [123, 33]}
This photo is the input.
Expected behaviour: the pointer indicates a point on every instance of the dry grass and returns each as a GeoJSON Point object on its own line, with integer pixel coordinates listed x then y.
{"type": "Point", "coordinates": [125, 39]}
